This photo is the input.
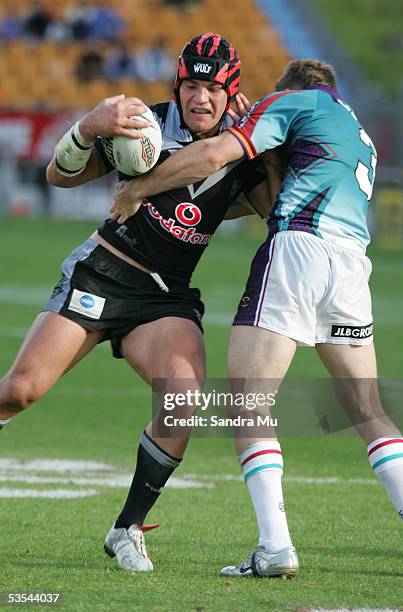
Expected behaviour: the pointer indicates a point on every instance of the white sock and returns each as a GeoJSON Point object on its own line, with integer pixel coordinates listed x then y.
{"type": "Point", "coordinates": [386, 458]}
{"type": "Point", "coordinates": [262, 468]}
{"type": "Point", "coordinates": [4, 422]}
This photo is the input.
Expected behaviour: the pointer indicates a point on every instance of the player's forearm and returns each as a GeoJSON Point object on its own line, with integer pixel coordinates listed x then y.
{"type": "Point", "coordinates": [275, 168]}
{"type": "Point", "coordinates": [94, 169]}
{"type": "Point", "coordinates": [187, 166]}
{"type": "Point", "coordinates": [71, 159]}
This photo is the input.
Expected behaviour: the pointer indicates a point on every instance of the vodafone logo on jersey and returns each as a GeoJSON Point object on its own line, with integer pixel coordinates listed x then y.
{"type": "Point", "coordinates": [187, 215]}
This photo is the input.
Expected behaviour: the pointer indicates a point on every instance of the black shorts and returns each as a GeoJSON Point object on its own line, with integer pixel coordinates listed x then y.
{"type": "Point", "coordinates": [100, 291]}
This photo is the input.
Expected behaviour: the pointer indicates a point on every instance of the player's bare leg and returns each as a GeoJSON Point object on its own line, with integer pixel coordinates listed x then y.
{"type": "Point", "coordinates": [359, 396]}
{"type": "Point", "coordinates": [52, 346]}
{"type": "Point", "coordinates": [254, 354]}
{"type": "Point", "coordinates": [170, 348]}
{"type": "Point", "coordinates": [358, 389]}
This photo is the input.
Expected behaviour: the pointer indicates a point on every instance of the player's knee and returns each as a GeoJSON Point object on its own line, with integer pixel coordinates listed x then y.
{"type": "Point", "coordinates": [18, 392]}
{"type": "Point", "coordinates": [188, 370]}
{"type": "Point", "coordinates": [190, 364]}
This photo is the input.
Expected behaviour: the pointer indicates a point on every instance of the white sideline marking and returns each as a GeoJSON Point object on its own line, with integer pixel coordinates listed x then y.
{"type": "Point", "coordinates": [48, 493]}
{"type": "Point", "coordinates": [122, 481]}
{"type": "Point", "coordinates": [76, 467]}
{"type": "Point", "coordinates": [54, 465]}
{"type": "Point", "coordinates": [13, 332]}
{"type": "Point", "coordinates": [298, 479]}
{"type": "Point", "coordinates": [331, 480]}
{"type": "Point", "coordinates": [76, 473]}
{"type": "Point", "coordinates": [219, 319]}
{"type": "Point", "coordinates": [20, 294]}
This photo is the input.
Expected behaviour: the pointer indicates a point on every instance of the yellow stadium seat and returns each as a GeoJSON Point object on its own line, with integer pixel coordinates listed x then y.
{"type": "Point", "coordinates": [44, 73]}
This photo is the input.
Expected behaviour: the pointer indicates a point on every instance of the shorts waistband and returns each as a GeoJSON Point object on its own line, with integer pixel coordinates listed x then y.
{"type": "Point", "coordinates": [131, 274]}
{"type": "Point", "coordinates": [345, 244]}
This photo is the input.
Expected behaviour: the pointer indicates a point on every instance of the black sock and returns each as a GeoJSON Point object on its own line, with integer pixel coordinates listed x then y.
{"type": "Point", "coordinates": [154, 467]}
{"type": "Point", "coordinates": [3, 423]}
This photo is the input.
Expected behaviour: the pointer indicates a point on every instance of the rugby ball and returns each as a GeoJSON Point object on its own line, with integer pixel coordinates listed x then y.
{"type": "Point", "coordinates": [134, 156]}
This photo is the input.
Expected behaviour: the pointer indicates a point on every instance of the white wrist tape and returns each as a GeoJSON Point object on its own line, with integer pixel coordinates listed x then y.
{"type": "Point", "coordinates": [72, 152]}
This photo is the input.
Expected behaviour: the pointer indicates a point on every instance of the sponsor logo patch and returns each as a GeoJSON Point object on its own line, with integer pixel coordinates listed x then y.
{"type": "Point", "coordinates": [147, 151]}
{"type": "Point", "coordinates": [352, 331]}
{"type": "Point", "coordinates": [107, 144]}
{"type": "Point", "coordinates": [87, 304]}
{"type": "Point", "coordinates": [201, 68]}
{"type": "Point", "coordinates": [170, 225]}
{"type": "Point", "coordinates": [188, 214]}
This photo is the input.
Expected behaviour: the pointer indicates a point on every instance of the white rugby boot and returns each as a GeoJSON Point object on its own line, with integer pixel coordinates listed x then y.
{"type": "Point", "coordinates": [128, 546]}
{"type": "Point", "coordinates": [281, 564]}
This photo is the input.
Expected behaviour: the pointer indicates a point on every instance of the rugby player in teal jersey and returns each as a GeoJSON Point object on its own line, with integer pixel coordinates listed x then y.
{"type": "Point", "coordinates": [308, 283]}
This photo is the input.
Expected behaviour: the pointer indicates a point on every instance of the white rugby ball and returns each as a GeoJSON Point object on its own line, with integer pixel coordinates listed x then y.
{"type": "Point", "coordinates": [134, 156]}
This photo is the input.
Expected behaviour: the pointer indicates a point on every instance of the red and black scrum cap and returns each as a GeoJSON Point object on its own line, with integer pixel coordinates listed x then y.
{"type": "Point", "coordinates": [209, 57]}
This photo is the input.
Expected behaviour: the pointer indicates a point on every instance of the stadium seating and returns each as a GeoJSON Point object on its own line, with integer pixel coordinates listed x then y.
{"type": "Point", "coordinates": [42, 75]}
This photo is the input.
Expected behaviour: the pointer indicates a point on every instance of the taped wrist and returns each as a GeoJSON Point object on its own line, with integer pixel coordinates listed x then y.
{"type": "Point", "coordinates": [72, 152]}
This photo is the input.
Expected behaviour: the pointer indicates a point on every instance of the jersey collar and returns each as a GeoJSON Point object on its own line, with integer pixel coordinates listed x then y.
{"type": "Point", "coordinates": [174, 131]}
{"type": "Point", "coordinates": [327, 89]}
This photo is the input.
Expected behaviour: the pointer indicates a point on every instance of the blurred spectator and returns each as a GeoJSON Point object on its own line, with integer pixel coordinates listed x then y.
{"type": "Point", "coordinates": [81, 21]}
{"type": "Point", "coordinates": [37, 20]}
{"type": "Point", "coordinates": [77, 18]}
{"type": "Point", "coordinates": [155, 63]}
{"type": "Point", "coordinates": [12, 26]}
{"type": "Point", "coordinates": [120, 64]}
{"type": "Point", "coordinates": [182, 3]}
{"type": "Point", "coordinates": [104, 23]}
{"type": "Point", "coordinates": [90, 65]}
{"type": "Point", "coordinates": [58, 31]}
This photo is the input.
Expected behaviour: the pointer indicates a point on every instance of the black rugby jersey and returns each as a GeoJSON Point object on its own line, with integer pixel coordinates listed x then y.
{"type": "Point", "coordinates": [171, 230]}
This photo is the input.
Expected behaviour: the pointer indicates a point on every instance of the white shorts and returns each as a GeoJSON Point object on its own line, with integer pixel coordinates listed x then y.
{"type": "Point", "coordinates": [309, 289]}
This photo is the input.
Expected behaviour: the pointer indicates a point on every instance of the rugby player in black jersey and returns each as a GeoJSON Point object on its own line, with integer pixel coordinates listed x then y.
{"type": "Point", "coordinates": [129, 283]}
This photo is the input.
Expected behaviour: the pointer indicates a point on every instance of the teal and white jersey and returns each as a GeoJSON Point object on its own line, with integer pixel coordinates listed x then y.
{"type": "Point", "coordinates": [330, 162]}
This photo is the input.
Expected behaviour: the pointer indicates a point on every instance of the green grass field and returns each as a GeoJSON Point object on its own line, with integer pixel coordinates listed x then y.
{"type": "Point", "coordinates": [347, 534]}
{"type": "Point", "coordinates": [371, 31]}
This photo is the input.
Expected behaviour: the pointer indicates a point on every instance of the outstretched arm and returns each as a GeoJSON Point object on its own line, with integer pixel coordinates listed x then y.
{"type": "Point", "coordinates": [192, 163]}
{"type": "Point", "coordinates": [189, 165]}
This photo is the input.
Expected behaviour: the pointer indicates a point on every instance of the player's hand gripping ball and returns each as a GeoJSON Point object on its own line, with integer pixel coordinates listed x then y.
{"type": "Point", "coordinates": [134, 156]}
